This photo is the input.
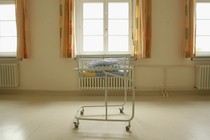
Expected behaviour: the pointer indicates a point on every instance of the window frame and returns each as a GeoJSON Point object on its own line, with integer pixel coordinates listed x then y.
{"type": "Point", "coordinates": [79, 28]}
{"type": "Point", "coordinates": [8, 55]}
{"type": "Point", "coordinates": [205, 55]}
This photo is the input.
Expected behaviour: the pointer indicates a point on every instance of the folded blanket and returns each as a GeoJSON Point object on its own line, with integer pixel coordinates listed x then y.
{"type": "Point", "coordinates": [89, 74]}
{"type": "Point", "coordinates": [101, 74]}
{"type": "Point", "coordinates": [109, 64]}
{"type": "Point", "coordinates": [106, 63]}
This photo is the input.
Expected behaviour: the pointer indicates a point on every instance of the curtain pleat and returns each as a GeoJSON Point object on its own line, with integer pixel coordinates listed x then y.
{"type": "Point", "coordinates": [143, 29]}
{"type": "Point", "coordinates": [190, 28]}
{"type": "Point", "coordinates": [22, 29]}
{"type": "Point", "coordinates": [136, 30]}
{"type": "Point", "coordinates": [67, 28]}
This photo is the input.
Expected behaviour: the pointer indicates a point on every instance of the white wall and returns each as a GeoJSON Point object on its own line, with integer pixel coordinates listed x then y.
{"type": "Point", "coordinates": [45, 70]}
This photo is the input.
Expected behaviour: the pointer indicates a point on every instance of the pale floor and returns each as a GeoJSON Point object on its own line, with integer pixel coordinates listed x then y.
{"type": "Point", "coordinates": [45, 117]}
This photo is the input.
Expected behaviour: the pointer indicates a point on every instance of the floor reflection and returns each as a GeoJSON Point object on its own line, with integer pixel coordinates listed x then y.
{"type": "Point", "coordinates": [11, 132]}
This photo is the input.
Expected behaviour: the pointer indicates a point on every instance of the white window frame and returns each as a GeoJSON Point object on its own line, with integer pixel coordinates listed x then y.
{"type": "Point", "coordinates": [8, 54]}
{"type": "Point", "coordinates": [200, 54]}
{"type": "Point", "coordinates": [79, 26]}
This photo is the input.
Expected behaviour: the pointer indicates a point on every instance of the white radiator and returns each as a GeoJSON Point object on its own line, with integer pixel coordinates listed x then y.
{"type": "Point", "coordinates": [9, 75]}
{"type": "Point", "coordinates": [203, 77]}
{"type": "Point", "coordinates": [98, 83]}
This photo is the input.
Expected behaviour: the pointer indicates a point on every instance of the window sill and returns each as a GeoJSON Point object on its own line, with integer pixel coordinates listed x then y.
{"type": "Point", "coordinates": [201, 59]}
{"type": "Point", "coordinates": [9, 59]}
{"type": "Point", "coordinates": [103, 55]}
{"type": "Point", "coordinates": [132, 58]}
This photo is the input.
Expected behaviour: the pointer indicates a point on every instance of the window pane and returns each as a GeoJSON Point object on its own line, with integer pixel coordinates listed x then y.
{"type": "Point", "coordinates": [202, 10]}
{"type": "Point", "coordinates": [203, 27]}
{"type": "Point", "coordinates": [118, 43]}
{"type": "Point", "coordinates": [119, 10]}
{"type": "Point", "coordinates": [118, 27]}
{"type": "Point", "coordinates": [7, 12]}
{"type": "Point", "coordinates": [93, 27]}
{"type": "Point", "coordinates": [93, 11]}
{"type": "Point", "coordinates": [8, 28]}
{"type": "Point", "coordinates": [202, 43]}
{"type": "Point", "coordinates": [93, 43]}
{"type": "Point", "coordinates": [8, 44]}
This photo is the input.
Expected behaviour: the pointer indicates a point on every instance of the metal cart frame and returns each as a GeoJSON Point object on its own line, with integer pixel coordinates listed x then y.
{"type": "Point", "coordinates": [80, 113]}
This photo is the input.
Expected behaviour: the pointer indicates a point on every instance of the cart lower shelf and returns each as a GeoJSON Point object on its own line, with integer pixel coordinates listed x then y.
{"type": "Point", "coordinates": [115, 113]}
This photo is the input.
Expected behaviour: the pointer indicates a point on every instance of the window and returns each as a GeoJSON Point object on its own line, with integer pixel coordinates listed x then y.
{"type": "Point", "coordinates": [203, 28]}
{"type": "Point", "coordinates": [104, 27]}
{"type": "Point", "coordinates": [8, 33]}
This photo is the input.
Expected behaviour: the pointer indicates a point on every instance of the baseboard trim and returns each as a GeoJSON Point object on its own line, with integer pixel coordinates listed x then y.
{"type": "Point", "coordinates": [39, 92]}
{"type": "Point", "coordinates": [188, 92]}
{"type": "Point", "coordinates": [139, 92]}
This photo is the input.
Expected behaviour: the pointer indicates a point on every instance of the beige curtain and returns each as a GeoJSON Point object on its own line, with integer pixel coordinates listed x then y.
{"type": "Point", "coordinates": [190, 28]}
{"type": "Point", "coordinates": [67, 28]}
{"type": "Point", "coordinates": [22, 29]}
{"type": "Point", "coordinates": [143, 28]}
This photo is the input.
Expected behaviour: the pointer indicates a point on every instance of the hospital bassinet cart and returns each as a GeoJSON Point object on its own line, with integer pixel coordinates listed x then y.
{"type": "Point", "coordinates": [105, 69]}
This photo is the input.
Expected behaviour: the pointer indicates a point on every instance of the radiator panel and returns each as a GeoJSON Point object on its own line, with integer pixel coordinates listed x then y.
{"type": "Point", "coordinates": [203, 77]}
{"type": "Point", "coordinates": [98, 83]}
{"type": "Point", "coordinates": [9, 75]}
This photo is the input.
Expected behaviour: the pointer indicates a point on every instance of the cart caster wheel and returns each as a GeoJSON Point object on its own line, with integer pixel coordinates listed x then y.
{"type": "Point", "coordinates": [82, 112]}
{"type": "Point", "coordinates": [121, 110]}
{"type": "Point", "coordinates": [76, 125]}
{"type": "Point", "coordinates": [127, 128]}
